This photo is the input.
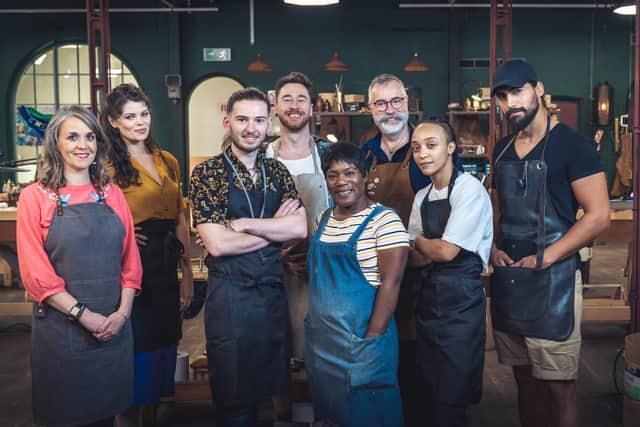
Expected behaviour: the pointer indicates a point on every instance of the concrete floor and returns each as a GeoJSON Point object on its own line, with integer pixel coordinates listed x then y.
{"type": "Point", "coordinates": [600, 403]}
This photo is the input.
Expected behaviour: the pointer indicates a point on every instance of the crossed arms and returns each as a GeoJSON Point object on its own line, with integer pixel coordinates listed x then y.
{"type": "Point", "coordinates": [244, 235]}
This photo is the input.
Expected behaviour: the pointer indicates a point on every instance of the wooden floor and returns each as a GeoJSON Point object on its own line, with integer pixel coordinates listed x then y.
{"type": "Point", "coordinates": [600, 403]}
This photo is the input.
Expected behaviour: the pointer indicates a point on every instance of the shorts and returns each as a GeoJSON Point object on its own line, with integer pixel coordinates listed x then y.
{"type": "Point", "coordinates": [550, 360]}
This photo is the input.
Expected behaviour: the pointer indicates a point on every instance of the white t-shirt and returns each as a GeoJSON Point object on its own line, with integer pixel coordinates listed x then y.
{"type": "Point", "coordinates": [470, 224]}
{"type": "Point", "coordinates": [299, 166]}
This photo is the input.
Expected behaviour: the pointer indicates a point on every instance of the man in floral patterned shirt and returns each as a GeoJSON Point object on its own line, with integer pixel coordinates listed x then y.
{"type": "Point", "coordinates": [244, 207]}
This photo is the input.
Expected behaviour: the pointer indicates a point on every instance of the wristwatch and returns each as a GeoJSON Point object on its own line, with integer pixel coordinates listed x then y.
{"type": "Point", "coordinates": [76, 311]}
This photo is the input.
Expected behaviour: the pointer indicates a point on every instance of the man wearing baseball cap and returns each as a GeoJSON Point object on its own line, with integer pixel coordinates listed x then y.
{"type": "Point", "coordinates": [542, 172]}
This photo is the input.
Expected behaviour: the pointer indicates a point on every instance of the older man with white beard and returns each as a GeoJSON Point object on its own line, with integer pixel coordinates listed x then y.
{"type": "Point", "coordinates": [393, 180]}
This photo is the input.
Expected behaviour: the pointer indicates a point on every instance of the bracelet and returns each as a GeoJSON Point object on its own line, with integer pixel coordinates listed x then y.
{"type": "Point", "coordinates": [123, 316]}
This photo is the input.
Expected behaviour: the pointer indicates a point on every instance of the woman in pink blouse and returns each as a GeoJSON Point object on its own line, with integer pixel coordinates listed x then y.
{"type": "Point", "coordinates": [80, 264]}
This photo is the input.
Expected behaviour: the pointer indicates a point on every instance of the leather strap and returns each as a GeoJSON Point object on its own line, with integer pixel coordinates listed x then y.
{"type": "Point", "coordinates": [542, 197]}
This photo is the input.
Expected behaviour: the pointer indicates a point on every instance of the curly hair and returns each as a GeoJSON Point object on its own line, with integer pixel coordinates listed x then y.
{"type": "Point", "coordinates": [125, 174]}
{"type": "Point", "coordinates": [51, 168]}
{"type": "Point", "coordinates": [344, 152]}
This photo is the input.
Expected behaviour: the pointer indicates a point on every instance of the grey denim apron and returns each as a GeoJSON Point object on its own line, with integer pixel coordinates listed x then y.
{"type": "Point", "coordinates": [312, 188]}
{"type": "Point", "coordinates": [77, 379]}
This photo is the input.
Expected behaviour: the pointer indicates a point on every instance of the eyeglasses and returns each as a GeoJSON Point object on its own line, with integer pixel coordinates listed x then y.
{"type": "Point", "coordinates": [396, 103]}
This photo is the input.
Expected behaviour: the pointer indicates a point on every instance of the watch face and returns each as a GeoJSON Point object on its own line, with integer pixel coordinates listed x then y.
{"type": "Point", "coordinates": [74, 311]}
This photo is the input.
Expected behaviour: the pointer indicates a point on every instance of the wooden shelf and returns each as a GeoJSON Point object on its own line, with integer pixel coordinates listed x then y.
{"type": "Point", "coordinates": [355, 113]}
{"type": "Point", "coordinates": [472, 156]}
{"type": "Point", "coordinates": [467, 113]}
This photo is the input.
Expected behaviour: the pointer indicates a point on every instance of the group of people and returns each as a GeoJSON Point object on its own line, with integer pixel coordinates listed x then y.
{"type": "Point", "coordinates": [362, 263]}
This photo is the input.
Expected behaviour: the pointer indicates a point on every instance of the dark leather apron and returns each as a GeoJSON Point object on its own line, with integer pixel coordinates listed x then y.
{"type": "Point", "coordinates": [156, 311]}
{"type": "Point", "coordinates": [77, 379]}
{"type": "Point", "coordinates": [390, 184]}
{"type": "Point", "coordinates": [246, 312]}
{"type": "Point", "coordinates": [353, 380]}
{"type": "Point", "coordinates": [537, 302]}
{"type": "Point", "coordinates": [451, 316]}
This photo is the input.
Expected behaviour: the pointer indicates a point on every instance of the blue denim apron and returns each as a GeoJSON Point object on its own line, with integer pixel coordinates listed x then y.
{"type": "Point", "coordinates": [353, 380]}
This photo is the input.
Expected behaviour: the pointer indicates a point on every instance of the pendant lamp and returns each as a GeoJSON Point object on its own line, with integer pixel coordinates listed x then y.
{"type": "Point", "coordinates": [626, 8]}
{"type": "Point", "coordinates": [312, 2]}
{"type": "Point", "coordinates": [335, 64]}
{"type": "Point", "coordinates": [415, 64]}
{"type": "Point", "coordinates": [259, 66]}
{"type": "Point", "coordinates": [603, 104]}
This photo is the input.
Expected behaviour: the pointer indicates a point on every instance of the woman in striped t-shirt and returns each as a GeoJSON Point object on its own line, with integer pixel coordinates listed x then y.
{"type": "Point", "coordinates": [356, 261]}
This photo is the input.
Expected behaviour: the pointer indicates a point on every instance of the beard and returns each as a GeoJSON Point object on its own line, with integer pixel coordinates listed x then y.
{"type": "Point", "coordinates": [521, 123]}
{"type": "Point", "coordinates": [284, 120]}
{"type": "Point", "coordinates": [382, 121]}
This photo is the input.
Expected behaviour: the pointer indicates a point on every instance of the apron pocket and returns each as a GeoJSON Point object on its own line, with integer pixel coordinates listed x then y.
{"type": "Point", "coordinates": [374, 362]}
{"type": "Point", "coordinates": [520, 293]}
{"type": "Point", "coordinates": [82, 340]}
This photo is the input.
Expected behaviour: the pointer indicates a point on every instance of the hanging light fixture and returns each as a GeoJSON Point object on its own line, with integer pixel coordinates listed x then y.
{"type": "Point", "coordinates": [259, 66]}
{"type": "Point", "coordinates": [415, 64]}
{"type": "Point", "coordinates": [312, 2]}
{"type": "Point", "coordinates": [335, 64]}
{"type": "Point", "coordinates": [603, 104]}
{"type": "Point", "coordinates": [626, 8]}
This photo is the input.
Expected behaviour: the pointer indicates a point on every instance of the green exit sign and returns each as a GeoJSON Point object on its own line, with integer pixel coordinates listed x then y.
{"type": "Point", "coordinates": [216, 54]}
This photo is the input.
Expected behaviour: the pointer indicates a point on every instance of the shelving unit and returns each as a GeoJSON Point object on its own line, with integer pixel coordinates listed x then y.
{"type": "Point", "coordinates": [476, 164]}
{"type": "Point", "coordinates": [344, 121]}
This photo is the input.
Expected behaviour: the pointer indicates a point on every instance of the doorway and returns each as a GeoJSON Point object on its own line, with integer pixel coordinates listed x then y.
{"type": "Point", "coordinates": [207, 108]}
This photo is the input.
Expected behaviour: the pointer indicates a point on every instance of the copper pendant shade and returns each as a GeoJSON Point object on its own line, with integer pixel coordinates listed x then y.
{"type": "Point", "coordinates": [415, 64]}
{"type": "Point", "coordinates": [335, 64]}
{"type": "Point", "coordinates": [259, 66]}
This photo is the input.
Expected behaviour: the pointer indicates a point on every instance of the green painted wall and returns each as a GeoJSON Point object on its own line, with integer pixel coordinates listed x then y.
{"type": "Point", "coordinates": [372, 37]}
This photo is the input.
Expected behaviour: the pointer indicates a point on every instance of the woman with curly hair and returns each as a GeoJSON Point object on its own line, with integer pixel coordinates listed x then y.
{"type": "Point", "coordinates": [150, 180]}
{"type": "Point", "coordinates": [79, 263]}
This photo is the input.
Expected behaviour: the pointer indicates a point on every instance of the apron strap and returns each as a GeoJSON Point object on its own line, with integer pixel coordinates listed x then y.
{"type": "Point", "coordinates": [356, 234]}
{"type": "Point", "coordinates": [407, 158]}
{"type": "Point", "coordinates": [374, 162]}
{"type": "Point", "coordinates": [323, 222]}
{"type": "Point", "coordinates": [542, 196]}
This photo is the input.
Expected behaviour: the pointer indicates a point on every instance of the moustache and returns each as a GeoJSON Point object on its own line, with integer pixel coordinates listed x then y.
{"type": "Point", "coordinates": [250, 135]}
{"type": "Point", "coordinates": [388, 117]}
{"type": "Point", "coordinates": [512, 111]}
{"type": "Point", "coordinates": [294, 111]}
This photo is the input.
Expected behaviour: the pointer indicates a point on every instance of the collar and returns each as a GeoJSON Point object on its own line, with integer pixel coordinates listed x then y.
{"type": "Point", "coordinates": [376, 146]}
{"type": "Point", "coordinates": [238, 164]}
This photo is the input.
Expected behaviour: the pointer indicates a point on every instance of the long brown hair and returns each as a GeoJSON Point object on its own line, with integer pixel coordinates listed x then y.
{"type": "Point", "coordinates": [51, 170]}
{"type": "Point", "coordinates": [125, 174]}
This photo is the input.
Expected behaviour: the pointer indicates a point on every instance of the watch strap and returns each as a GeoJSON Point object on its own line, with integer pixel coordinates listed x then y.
{"type": "Point", "coordinates": [76, 311]}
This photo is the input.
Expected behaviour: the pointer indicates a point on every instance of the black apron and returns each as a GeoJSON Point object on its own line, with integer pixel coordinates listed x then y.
{"type": "Point", "coordinates": [156, 311]}
{"type": "Point", "coordinates": [451, 315]}
{"type": "Point", "coordinates": [77, 379]}
{"type": "Point", "coordinates": [537, 303]}
{"type": "Point", "coordinates": [246, 313]}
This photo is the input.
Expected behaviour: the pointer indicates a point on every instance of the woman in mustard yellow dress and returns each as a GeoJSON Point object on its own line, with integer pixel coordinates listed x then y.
{"type": "Point", "coordinates": [150, 180]}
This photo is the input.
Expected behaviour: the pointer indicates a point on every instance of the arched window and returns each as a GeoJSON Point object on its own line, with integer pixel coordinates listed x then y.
{"type": "Point", "coordinates": [61, 77]}
{"type": "Point", "coordinates": [56, 78]}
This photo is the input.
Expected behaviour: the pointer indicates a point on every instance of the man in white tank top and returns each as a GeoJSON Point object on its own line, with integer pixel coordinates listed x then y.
{"type": "Point", "coordinates": [301, 153]}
